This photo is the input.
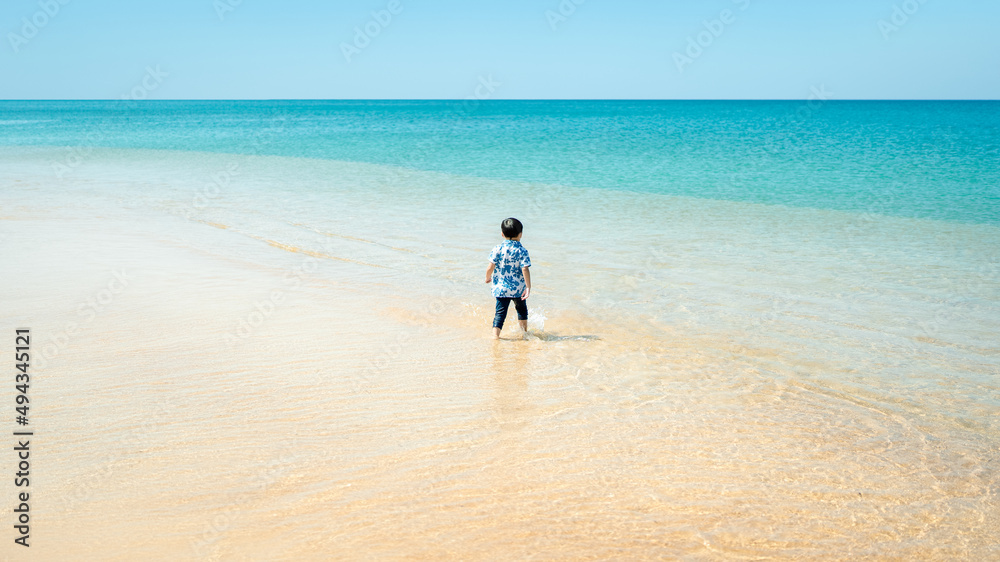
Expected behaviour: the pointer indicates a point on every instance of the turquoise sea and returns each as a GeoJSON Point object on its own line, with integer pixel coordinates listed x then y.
{"type": "Point", "coordinates": [925, 159]}
{"type": "Point", "coordinates": [744, 313]}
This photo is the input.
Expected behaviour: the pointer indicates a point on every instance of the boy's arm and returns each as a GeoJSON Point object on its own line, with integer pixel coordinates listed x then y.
{"type": "Point", "coordinates": [489, 273]}
{"type": "Point", "coordinates": [527, 281]}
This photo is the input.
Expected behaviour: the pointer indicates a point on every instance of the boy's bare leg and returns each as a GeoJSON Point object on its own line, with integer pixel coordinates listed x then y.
{"type": "Point", "coordinates": [496, 333]}
{"type": "Point", "coordinates": [524, 325]}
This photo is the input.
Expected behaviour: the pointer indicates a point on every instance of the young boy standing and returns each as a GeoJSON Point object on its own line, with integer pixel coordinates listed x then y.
{"type": "Point", "coordinates": [508, 271]}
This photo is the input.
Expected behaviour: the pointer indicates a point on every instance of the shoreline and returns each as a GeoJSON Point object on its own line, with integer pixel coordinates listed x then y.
{"type": "Point", "coordinates": [353, 418]}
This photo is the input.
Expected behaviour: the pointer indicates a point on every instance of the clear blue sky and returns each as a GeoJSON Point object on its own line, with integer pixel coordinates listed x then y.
{"type": "Point", "coordinates": [441, 48]}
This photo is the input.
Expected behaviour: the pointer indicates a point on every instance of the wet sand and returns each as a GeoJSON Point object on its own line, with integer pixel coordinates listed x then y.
{"type": "Point", "coordinates": [222, 397]}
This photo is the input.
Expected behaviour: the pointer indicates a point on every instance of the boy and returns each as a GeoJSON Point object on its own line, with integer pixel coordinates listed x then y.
{"type": "Point", "coordinates": [508, 271]}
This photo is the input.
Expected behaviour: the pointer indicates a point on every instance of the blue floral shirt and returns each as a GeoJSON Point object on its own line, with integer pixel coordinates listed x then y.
{"type": "Point", "coordinates": [509, 257]}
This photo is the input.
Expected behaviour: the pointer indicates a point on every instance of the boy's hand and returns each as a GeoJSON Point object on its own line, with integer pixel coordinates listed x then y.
{"type": "Point", "coordinates": [526, 291]}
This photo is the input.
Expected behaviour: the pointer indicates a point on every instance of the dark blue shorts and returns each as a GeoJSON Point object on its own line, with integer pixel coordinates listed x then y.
{"type": "Point", "coordinates": [520, 305]}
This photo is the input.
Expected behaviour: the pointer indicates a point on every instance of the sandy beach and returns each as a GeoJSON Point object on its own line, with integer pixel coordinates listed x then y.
{"type": "Point", "coordinates": [206, 390]}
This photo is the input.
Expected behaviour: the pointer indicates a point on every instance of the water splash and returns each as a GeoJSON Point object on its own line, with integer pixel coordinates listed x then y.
{"type": "Point", "coordinates": [536, 319]}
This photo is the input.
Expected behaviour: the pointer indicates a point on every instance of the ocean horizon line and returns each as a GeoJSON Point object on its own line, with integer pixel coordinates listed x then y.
{"type": "Point", "coordinates": [487, 101]}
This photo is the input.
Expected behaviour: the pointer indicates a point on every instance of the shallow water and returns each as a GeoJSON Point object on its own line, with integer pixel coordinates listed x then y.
{"type": "Point", "coordinates": [922, 159]}
{"type": "Point", "coordinates": [301, 368]}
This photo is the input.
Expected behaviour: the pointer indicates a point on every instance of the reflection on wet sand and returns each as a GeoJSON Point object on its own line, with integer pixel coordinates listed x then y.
{"type": "Point", "coordinates": [509, 371]}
